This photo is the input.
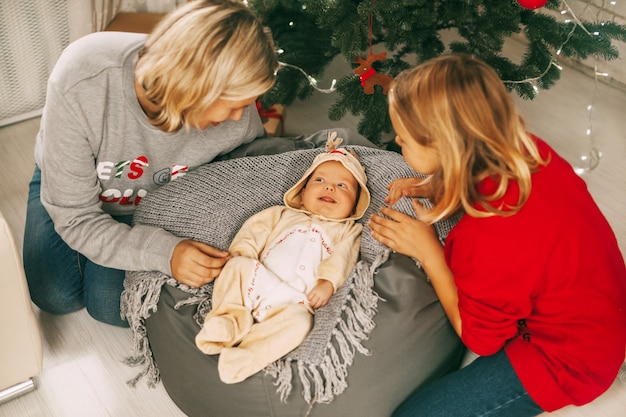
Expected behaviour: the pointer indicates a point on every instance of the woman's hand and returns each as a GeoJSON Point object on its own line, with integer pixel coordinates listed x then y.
{"type": "Point", "coordinates": [405, 234]}
{"type": "Point", "coordinates": [195, 264]}
{"type": "Point", "coordinates": [407, 187]}
{"type": "Point", "coordinates": [320, 294]}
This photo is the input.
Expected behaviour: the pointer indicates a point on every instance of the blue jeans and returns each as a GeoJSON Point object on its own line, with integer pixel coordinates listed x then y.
{"type": "Point", "coordinates": [60, 279]}
{"type": "Point", "coordinates": [487, 387]}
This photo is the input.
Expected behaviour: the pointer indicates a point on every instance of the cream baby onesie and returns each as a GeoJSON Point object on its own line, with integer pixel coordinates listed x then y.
{"type": "Point", "coordinates": [260, 298]}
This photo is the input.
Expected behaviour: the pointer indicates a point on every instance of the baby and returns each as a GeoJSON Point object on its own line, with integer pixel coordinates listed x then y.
{"type": "Point", "coordinates": [288, 261]}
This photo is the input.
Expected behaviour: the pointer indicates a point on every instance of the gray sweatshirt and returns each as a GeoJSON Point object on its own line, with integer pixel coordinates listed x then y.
{"type": "Point", "coordinates": [99, 155]}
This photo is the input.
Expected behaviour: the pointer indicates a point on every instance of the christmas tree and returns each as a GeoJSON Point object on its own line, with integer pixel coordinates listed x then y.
{"type": "Point", "coordinates": [310, 33]}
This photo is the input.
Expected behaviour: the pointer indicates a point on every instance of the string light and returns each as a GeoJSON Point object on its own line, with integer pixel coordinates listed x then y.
{"type": "Point", "coordinates": [591, 158]}
{"type": "Point", "coordinates": [552, 62]}
{"type": "Point", "coordinates": [312, 81]}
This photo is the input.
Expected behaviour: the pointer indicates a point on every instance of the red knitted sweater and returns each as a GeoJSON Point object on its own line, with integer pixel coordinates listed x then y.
{"type": "Point", "coordinates": [547, 284]}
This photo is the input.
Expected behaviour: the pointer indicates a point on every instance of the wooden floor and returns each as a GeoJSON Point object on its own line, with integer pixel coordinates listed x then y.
{"type": "Point", "coordinates": [83, 374]}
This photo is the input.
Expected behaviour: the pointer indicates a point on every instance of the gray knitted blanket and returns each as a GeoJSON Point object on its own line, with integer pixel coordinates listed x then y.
{"type": "Point", "coordinates": [210, 204]}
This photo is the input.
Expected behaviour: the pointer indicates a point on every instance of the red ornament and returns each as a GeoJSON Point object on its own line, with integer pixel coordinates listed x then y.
{"type": "Point", "coordinates": [532, 4]}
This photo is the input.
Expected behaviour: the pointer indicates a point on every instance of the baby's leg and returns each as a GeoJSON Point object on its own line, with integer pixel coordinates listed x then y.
{"type": "Point", "coordinates": [229, 320]}
{"type": "Point", "coordinates": [284, 328]}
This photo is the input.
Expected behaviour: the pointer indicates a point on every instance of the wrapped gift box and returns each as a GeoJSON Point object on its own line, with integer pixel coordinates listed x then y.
{"type": "Point", "coordinates": [273, 119]}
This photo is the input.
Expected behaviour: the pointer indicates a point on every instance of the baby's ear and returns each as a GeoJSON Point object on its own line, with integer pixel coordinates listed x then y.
{"type": "Point", "coordinates": [333, 141]}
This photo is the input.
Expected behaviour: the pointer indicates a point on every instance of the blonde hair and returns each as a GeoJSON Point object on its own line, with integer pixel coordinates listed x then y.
{"type": "Point", "coordinates": [459, 106]}
{"type": "Point", "coordinates": [204, 51]}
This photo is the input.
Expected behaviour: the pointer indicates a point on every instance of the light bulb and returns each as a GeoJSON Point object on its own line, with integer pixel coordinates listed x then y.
{"type": "Point", "coordinates": [588, 162]}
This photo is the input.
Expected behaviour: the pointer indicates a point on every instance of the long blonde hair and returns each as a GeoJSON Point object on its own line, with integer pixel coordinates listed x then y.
{"type": "Point", "coordinates": [458, 105]}
{"type": "Point", "coordinates": [204, 51]}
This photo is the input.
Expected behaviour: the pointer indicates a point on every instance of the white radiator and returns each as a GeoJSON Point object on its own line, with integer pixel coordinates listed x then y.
{"type": "Point", "coordinates": [33, 34]}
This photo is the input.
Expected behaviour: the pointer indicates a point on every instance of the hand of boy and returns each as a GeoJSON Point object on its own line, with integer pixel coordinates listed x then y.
{"type": "Point", "coordinates": [195, 263]}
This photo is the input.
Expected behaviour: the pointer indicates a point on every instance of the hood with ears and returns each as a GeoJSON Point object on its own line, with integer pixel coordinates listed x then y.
{"type": "Point", "coordinates": [349, 160]}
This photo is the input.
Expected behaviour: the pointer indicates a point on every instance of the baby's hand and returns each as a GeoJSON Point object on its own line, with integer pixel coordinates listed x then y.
{"type": "Point", "coordinates": [407, 187]}
{"type": "Point", "coordinates": [320, 294]}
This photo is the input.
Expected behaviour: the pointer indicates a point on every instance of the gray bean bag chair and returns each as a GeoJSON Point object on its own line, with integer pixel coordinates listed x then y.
{"type": "Point", "coordinates": [383, 334]}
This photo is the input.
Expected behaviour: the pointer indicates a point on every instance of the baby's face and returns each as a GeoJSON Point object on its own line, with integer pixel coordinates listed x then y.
{"type": "Point", "coordinates": [331, 191]}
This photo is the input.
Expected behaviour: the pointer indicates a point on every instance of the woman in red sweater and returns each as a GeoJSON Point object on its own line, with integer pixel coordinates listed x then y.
{"type": "Point", "coordinates": [531, 278]}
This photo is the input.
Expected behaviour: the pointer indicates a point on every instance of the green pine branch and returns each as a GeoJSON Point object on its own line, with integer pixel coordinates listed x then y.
{"type": "Point", "coordinates": [313, 32]}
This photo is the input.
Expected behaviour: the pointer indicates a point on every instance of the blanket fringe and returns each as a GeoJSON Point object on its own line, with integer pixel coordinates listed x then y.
{"type": "Point", "coordinates": [622, 373]}
{"type": "Point", "coordinates": [322, 382]}
{"type": "Point", "coordinates": [139, 300]}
